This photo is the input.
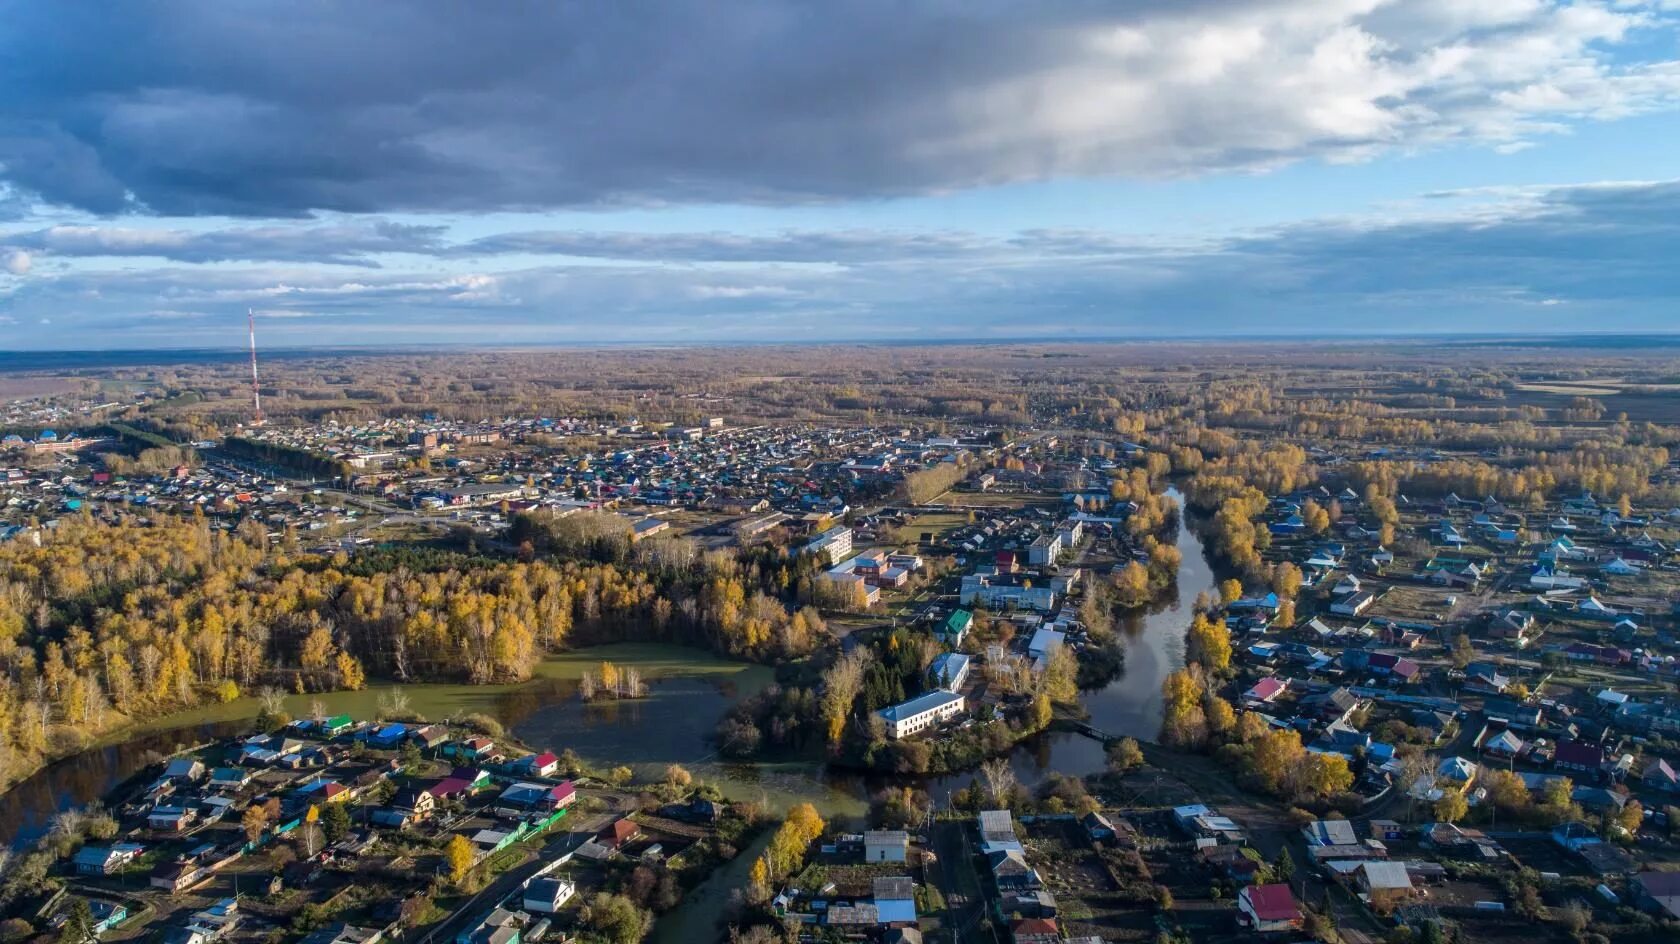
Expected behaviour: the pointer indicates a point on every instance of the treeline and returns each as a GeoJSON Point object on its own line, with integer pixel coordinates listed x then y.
{"type": "Point", "coordinates": [926, 485]}
{"type": "Point", "coordinates": [290, 457]}
{"type": "Point", "coordinates": [1271, 760]}
{"type": "Point", "coordinates": [101, 623]}
{"type": "Point", "coordinates": [155, 461]}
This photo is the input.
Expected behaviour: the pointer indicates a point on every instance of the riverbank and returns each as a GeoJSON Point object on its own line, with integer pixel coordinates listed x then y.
{"type": "Point", "coordinates": [555, 675]}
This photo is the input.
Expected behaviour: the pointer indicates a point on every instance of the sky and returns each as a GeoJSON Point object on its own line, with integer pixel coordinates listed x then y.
{"type": "Point", "coordinates": [396, 173]}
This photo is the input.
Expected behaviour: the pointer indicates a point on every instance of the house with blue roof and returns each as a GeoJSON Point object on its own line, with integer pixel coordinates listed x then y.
{"type": "Point", "coordinates": [895, 900]}
{"type": "Point", "coordinates": [1290, 525]}
{"type": "Point", "coordinates": [949, 671]}
{"type": "Point", "coordinates": [920, 713]}
{"type": "Point", "coordinates": [388, 735]}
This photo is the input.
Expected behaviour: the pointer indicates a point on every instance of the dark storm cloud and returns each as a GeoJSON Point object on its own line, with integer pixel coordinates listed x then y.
{"type": "Point", "coordinates": [263, 109]}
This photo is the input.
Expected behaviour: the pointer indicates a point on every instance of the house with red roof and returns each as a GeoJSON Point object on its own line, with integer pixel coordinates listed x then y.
{"type": "Point", "coordinates": [1268, 909]}
{"type": "Point", "coordinates": [537, 765]}
{"type": "Point", "coordinates": [1035, 931]}
{"type": "Point", "coordinates": [1265, 691]}
{"type": "Point", "coordinates": [619, 833]}
{"type": "Point", "coordinates": [1577, 755]}
{"type": "Point", "coordinates": [1393, 666]}
{"type": "Point", "coordinates": [562, 796]}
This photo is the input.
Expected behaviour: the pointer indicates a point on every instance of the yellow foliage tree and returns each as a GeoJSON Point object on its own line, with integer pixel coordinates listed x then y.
{"type": "Point", "coordinates": [1208, 644]}
{"type": "Point", "coordinates": [350, 673]}
{"type": "Point", "coordinates": [459, 855]}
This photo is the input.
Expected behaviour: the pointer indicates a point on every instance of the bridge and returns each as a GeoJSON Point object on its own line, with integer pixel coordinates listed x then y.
{"type": "Point", "coordinates": [1086, 728]}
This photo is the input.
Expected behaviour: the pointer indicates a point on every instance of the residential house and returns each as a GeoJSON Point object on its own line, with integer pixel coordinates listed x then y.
{"type": "Point", "coordinates": [1330, 832]}
{"type": "Point", "coordinates": [104, 860]}
{"type": "Point", "coordinates": [546, 894]}
{"type": "Point", "coordinates": [1504, 744]}
{"type": "Point", "coordinates": [1035, 931]}
{"type": "Point", "coordinates": [1268, 909]}
{"type": "Point", "coordinates": [229, 779]}
{"type": "Point", "coordinates": [1660, 775]}
{"type": "Point", "coordinates": [1579, 756]}
{"type": "Point", "coordinates": [1039, 904]}
{"type": "Point", "coordinates": [1265, 691]}
{"type": "Point", "coordinates": [955, 628]}
{"type": "Point", "coordinates": [619, 833]}
{"type": "Point", "coordinates": [997, 832]}
{"type": "Point", "coordinates": [106, 914]}
{"type": "Point", "coordinates": [1011, 872]}
{"type": "Point", "coordinates": [175, 877]}
{"type": "Point", "coordinates": [537, 765]}
{"type": "Point", "coordinates": [885, 845]}
{"type": "Point", "coordinates": [949, 671]}
{"type": "Point", "coordinates": [1386, 885]}
{"type": "Point", "coordinates": [1658, 892]}
{"type": "Point", "coordinates": [184, 770]}
{"type": "Point", "coordinates": [170, 818]}
{"type": "Point", "coordinates": [341, 933]}
{"type": "Point", "coordinates": [1458, 772]}
{"type": "Point", "coordinates": [1354, 603]}
{"type": "Point", "coordinates": [895, 900]}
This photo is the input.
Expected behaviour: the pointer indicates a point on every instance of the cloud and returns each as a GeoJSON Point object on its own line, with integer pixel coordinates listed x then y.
{"type": "Point", "coordinates": [792, 246]}
{"type": "Point", "coordinates": [15, 262]}
{"type": "Point", "coordinates": [244, 108]}
{"type": "Point", "coordinates": [351, 243]}
{"type": "Point", "coordinates": [1516, 259]}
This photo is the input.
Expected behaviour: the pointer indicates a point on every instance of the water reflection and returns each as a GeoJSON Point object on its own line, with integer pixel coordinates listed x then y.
{"type": "Point", "coordinates": [26, 811]}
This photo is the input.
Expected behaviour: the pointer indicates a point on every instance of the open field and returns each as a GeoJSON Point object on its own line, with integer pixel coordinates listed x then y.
{"type": "Point", "coordinates": [434, 700]}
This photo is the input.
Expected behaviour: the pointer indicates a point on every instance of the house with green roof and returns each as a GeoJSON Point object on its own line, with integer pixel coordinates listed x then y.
{"type": "Point", "coordinates": [955, 628]}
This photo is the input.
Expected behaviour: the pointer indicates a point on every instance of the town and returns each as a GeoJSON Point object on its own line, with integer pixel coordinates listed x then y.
{"type": "Point", "coordinates": [1194, 656]}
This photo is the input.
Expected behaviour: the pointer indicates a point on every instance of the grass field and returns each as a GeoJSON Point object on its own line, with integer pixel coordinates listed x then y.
{"type": "Point", "coordinates": [442, 700]}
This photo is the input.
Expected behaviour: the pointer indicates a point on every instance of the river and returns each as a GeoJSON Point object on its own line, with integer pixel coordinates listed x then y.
{"type": "Point", "coordinates": [1131, 704]}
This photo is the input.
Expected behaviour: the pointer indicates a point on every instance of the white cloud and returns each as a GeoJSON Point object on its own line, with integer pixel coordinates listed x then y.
{"type": "Point", "coordinates": [16, 262]}
{"type": "Point", "coordinates": [1526, 258]}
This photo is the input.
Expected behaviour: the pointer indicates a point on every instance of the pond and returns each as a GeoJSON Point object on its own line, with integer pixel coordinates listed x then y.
{"type": "Point", "coordinates": [688, 690]}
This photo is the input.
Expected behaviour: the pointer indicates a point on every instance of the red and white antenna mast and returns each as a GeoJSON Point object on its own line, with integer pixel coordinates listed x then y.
{"type": "Point", "coordinates": [256, 392]}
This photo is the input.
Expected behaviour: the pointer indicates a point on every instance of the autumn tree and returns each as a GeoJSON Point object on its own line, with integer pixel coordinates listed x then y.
{"type": "Point", "coordinates": [254, 822]}
{"type": "Point", "coordinates": [459, 856]}
{"type": "Point", "coordinates": [1183, 723]}
{"type": "Point", "coordinates": [1451, 807]}
{"type": "Point", "coordinates": [677, 777]}
{"type": "Point", "coordinates": [840, 687]}
{"type": "Point", "coordinates": [1208, 645]}
{"type": "Point", "coordinates": [1124, 755]}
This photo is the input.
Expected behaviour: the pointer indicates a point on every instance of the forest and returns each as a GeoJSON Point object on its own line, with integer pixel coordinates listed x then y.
{"type": "Point", "coordinates": [105, 623]}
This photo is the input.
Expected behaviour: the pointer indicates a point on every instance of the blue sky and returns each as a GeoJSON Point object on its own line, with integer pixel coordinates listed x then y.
{"type": "Point", "coordinates": [534, 173]}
